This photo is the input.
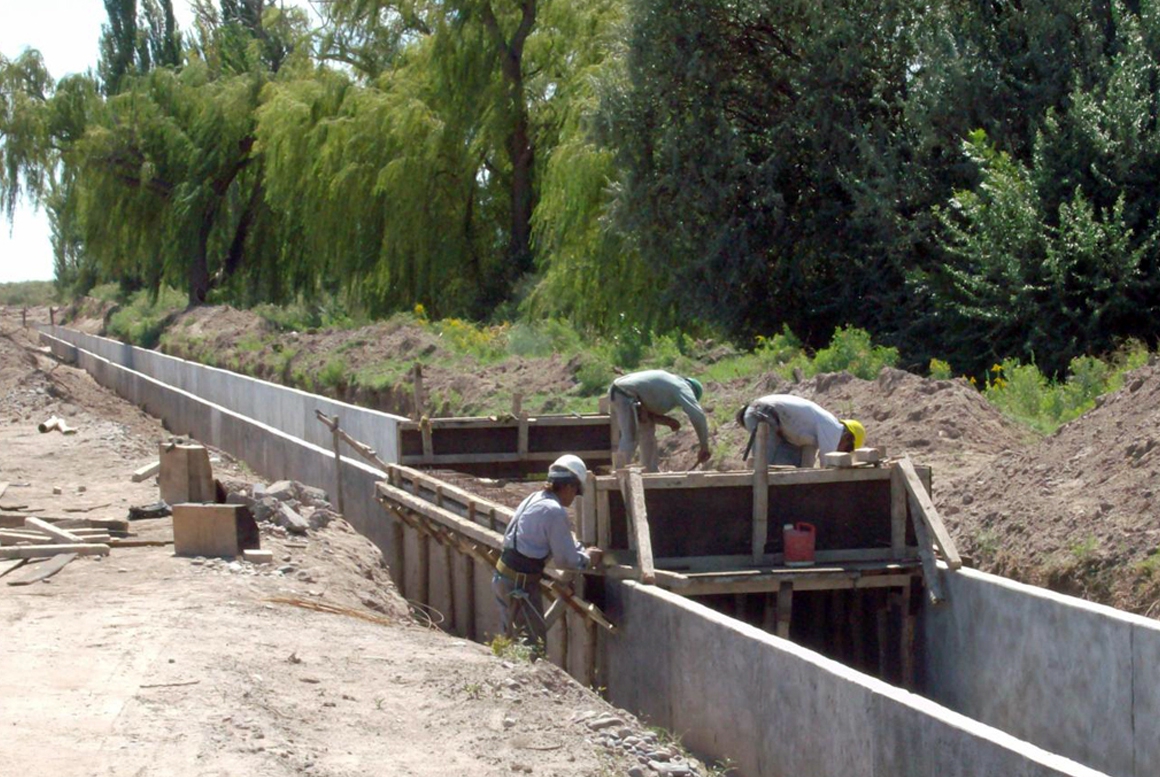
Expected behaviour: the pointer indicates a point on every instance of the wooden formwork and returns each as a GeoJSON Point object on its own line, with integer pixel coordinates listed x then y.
{"type": "Point", "coordinates": [505, 446]}
{"type": "Point", "coordinates": [699, 534]}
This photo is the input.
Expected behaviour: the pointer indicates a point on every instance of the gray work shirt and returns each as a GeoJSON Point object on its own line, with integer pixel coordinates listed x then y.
{"type": "Point", "coordinates": [661, 391]}
{"type": "Point", "coordinates": [801, 422]}
{"type": "Point", "coordinates": [540, 529]}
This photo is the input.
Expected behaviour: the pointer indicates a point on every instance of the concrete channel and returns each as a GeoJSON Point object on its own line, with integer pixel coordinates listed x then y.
{"type": "Point", "coordinates": [1013, 680]}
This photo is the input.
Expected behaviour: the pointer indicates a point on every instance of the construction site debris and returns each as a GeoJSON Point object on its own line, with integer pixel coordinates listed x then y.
{"type": "Point", "coordinates": [146, 472]}
{"type": "Point", "coordinates": [258, 556]}
{"type": "Point", "coordinates": [155, 510]}
{"type": "Point", "coordinates": [186, 474]}
{"type": "Point", "coordinates": [55, 424]}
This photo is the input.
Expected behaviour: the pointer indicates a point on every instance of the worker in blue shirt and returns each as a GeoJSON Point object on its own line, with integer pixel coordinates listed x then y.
{"type": "Point", "coordinates": [538, 531]}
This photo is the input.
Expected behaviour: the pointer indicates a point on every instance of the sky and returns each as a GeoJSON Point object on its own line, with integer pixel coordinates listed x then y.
{"type": "Point", "coordinates": [67, 33]}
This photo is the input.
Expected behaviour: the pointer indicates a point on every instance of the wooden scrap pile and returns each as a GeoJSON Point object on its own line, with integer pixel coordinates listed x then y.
{"type": "Point", "coordinates": [39, 539]}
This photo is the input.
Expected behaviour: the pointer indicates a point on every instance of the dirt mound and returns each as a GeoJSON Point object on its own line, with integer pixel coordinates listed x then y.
{"type": "Point", "coordinates": [88, 314]}
{"type": "Point", "coordinates": [1077, 511]}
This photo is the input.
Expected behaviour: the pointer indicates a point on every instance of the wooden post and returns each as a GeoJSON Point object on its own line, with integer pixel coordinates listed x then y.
{"type": "Point", "coordinates": [897, 516]}
{"type": "Point", "coordinates": [603, 520]}
{"type": "Point", "coordinates": [605, 406]}
{"type": "Point", "coordinates": [857, 624]}
{"type": "Point", "coordinates": [24, 318]}
{"type": "Point", "coordinates": [52, 315]}
{"type": "Point", "coordinates": [784, 608]}
{"type": "Point", "coordinates": [417, 380]}
{"type": "Point", "coordinates": [760, 493]}
{"type": "Point", "coordinates": [337, 437]}
{"type": "Point", "coordinates": [428, 445]}
{"type": "Point", "coordinates": [522, 439]}
{"type": "Point", "coordinates": [769, 613]}
{"type": "Point", "coordinates": [469, 629]}
{"type": "Point", "coordinates": [880, 613]}
{"type": "Point", "coordinates": [907, 639]}
{"type": "Point", "coordinates": [517, 404]}
{"type": "Point", "coordinates": [588, 511]}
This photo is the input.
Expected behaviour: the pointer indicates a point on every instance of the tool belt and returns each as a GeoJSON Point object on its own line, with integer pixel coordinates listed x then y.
{"type": "Point", "coordinates": [516, 566]}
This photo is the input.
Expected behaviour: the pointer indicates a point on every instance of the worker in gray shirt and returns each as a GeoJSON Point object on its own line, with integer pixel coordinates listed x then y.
{"type": "Point", "coordinates": [641, 400]}
{"type": "Point", "coordinates": [539, 530]}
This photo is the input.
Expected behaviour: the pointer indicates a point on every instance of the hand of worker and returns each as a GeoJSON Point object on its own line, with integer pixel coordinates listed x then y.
{"type": "Point", "coordinates": [703, 455]}
{"type": "Point", "coordinates": [595, 556]}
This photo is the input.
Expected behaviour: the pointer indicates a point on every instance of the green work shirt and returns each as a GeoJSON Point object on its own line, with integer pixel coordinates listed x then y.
{"type": "Point", "coordinates": [660, 392]}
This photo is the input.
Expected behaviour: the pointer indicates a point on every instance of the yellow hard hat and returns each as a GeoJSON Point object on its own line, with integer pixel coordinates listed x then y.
{"type": "Point", "coordinates": [856, 429]}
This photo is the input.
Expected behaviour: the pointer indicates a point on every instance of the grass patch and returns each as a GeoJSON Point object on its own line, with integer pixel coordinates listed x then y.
{"type": "Point", "coordinates": [142, 319]}
{"type": "Point", "coordinates": [510, 649]}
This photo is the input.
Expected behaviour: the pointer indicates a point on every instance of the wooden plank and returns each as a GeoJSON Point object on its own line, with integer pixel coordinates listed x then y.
{"type": "Point", "coordinates": [447, 459]}
{"type": "Point", "coordinates": [857, 555]}
{"type": "Point", "coordinates": [12, 537]}
{"type": "Point", "coordinates": [633, 492]}
{"type": "Point", "coordinates": [897, 517]}
{"type": "Point", "coordinates": [417, 378]}
{"type": "Point", "coordinates": [784, 608]}
{"type": "Point", "coordinates": [769, 583]}
{"type": "Point", "coordinates": [11, 565]}
{"type": "Point", "coordinates": [474, 531]}
{"type": "Point", "coordinates": [134, 543]}
{"type": "Point", "coordinates": [925, 547]}
{"type": "Point", "coordinates": [463, 497]}
{"type": "Point", "coordinates": [926, 511]}
{"type": "Point", "coordinates": [56, 535]}
{"type": "Point", "coordinates": [509, 421]}
{"type": "Point", "coordinates": [146, 472]}
{"type": "Point", "coordinates": [778, 476]}
{"type": "Point", "coordinates": [45, 570]}
{"type": "Point", "coordinates": [43, 551]}
{"type": "Point", "coordinates": [760, 491]}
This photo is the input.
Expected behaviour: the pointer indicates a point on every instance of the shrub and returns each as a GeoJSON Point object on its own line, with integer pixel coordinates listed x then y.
{"type": "Point", "coordinates": [851, 350]}
{"type": "Point", "coordinates": [335, 373]}
{"type": "Point", "coordinates": [940, 370]}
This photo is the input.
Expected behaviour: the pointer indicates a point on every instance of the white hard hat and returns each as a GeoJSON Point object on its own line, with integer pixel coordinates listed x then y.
{"type": "Point", "coordinates": [568, 468]}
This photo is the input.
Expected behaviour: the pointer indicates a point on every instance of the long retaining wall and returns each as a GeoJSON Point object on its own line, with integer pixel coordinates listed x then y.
{"type": "Point", "coordinates": [781, 710]}
{"type": "Point", "coordinates": [1073, 677]}
{"type": "Point", "coordinates": [288, 410]}
{"type": "Point", "coordinates": [271, 452]}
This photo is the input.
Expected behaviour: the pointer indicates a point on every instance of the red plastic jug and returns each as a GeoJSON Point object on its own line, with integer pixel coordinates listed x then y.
{"type": "Point", "coordinates": [799, 544]}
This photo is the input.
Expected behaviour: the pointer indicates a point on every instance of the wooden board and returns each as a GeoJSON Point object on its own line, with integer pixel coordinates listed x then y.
{"type": "Point", "coordinates": [186, 474]}
{"type": "Point", "coordinates": [44, 551]}
{"type": "Point", "coordinates": [638, 515]}
{"type": "Point", "coordinates": [922, 505]}
{"type": "Point", "coordinates": [44, 571]}
{"type": "Point", "coordinates": [56, 534]}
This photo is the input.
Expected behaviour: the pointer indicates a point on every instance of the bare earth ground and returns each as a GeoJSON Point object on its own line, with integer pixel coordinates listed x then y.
{"type": "Point", "coordinates": [143, 663]}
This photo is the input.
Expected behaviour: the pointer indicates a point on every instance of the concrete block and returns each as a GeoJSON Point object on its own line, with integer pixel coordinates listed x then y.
{"type": "Point", "coordinates": [838, 460]}
{"type": "Point", "coordinates": [185, 474]}
{"type": "Point", "coordinates": [287, 518]}
{"type": "Point", "coordinates": [213, 530]}
{"type": "Point", "coordinates": [258, 556]}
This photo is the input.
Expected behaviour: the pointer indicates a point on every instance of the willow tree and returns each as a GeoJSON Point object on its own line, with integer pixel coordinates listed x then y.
{"type": "Point", "coordinates": [420, 169]}
{"type": "Point", "coordinates": [165, 188]}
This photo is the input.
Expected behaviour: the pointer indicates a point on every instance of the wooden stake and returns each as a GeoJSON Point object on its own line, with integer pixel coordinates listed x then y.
{"type": "Point", "coordinates": [336, 438]}
{"type": "Point", "coordinates": [522, 439]}
{"type": "Point", "coordinates": [417, 378]}
{"type": "Point", "coordinates": [906, 633]}
{"type": "Point", "coordinates": [897, 517]}
{"type": "Point", "coordinates": [760, 492]}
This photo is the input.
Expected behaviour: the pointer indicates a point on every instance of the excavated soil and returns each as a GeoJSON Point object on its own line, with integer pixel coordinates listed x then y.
{"type": "Point", "coordinates": [1074, 511]}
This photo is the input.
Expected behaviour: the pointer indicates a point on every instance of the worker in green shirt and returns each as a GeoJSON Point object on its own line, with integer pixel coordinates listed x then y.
{"type": "Point", "coordinates": [641, 401]}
